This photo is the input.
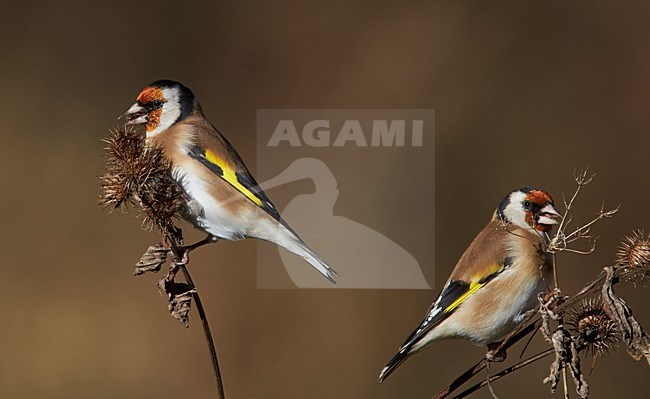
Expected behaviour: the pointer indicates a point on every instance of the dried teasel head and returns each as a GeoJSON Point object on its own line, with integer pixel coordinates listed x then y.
{"type": "Point", "coordinates": [139, 175]}
{"type": "Point", "coordinates": [634, 252]}
{"type": "Point", "coordinates": [595, 331]}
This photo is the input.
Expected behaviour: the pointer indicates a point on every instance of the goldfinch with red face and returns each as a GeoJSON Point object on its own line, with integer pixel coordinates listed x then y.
{"type": "Point", "coordinates": [223, 198]}
{"type": "Point", "coordinates": [495, 282]}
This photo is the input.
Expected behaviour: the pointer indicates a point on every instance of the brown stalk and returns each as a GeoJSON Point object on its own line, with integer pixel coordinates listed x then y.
{"type": "Point", "coordinates": [139, 175]}
{"type": "Point", "coordinates": [504, 372]}
{"type": "Point", "coordinates": [204, 320]}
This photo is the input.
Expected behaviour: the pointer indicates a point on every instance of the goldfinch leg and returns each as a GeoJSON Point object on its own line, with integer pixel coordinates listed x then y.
{"type": "Point", "coordinates": [525, 316]}
{"type": "Point", "coordinates": [492, 355]}
{"type": "Point", "coordinates": [185, 250]}
{"type": "Point", "coordinates": [168, 244]}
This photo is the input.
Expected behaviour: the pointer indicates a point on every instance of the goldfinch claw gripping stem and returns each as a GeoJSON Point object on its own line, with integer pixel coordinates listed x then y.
{"type": "Point", "coordinates": [495, 353]}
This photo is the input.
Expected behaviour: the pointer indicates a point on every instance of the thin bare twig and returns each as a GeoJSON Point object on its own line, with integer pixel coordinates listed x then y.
{"type": "Point", "coordinates": [582, 180]}
{"type": "Point", "coordinates": [560, 242]}
{"type": "Point", "coordinates": [178, 257]}
{"type": "Point", "coordinates": [504, 372]}
{"type": "Point", "coordinates": [478, 367]}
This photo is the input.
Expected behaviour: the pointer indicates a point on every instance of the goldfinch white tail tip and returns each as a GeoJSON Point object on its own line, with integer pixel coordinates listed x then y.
{"type": "Point", "coordinates": [318, 263]}
{"type": "Point", "coordinates": [398, 359]}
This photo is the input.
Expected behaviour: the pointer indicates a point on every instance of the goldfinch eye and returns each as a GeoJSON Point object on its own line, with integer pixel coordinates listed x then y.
{"type": "Point", "coordinates": [153, 105]}
{"type": "Point", "coordinates": [527, 204]}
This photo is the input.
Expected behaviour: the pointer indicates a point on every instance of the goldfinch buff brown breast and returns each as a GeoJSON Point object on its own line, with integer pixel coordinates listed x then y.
{"type": "Point", "coordinates": [495, 282]}
{"type": "Point", "coordinates": [223, 198]}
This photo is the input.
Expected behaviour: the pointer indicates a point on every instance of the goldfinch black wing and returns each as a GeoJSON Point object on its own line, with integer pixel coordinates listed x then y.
{"type": "Point", "coordinates": [215, 153]}
{"type": "Point", "coordinates": [453, 295]}
{"type": "Point", "coordinates": [482, 262]}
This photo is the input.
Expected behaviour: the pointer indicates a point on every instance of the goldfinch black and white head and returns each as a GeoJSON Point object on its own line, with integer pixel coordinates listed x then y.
{"type": "Point", "coordinates": [223, 198]}
{"type": "Point", "coordinates": [529, 207]}
{"type": "Point", "coordinates": [160, 105]}
{"type": "Point", "coordinates": [495, 282]}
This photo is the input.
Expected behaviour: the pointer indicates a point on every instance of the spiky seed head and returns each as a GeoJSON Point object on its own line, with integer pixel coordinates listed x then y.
{"type": "Point", "coordinates": [595, 331]}
{"type": "Point", "coordinates": [634, 250]}
{"type": "Point", "coordinates": [139, 175]}
{"type": "Point", "coordinates": [634, 253]}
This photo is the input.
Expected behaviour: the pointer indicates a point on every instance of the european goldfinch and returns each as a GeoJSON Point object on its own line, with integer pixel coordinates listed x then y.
{"type": "Point", "coordinates": [223, 198]}
{"type": "Point", "coordinates": [495, 282]}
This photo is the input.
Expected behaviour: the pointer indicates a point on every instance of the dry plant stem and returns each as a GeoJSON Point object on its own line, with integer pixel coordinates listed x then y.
{"type": "Point", "coordinates": [561, 240]}
{"type": "Point", "coordinates": [620, 275]}
{"type": "Point", "coordinates": [555, 278]}
{"type": "Point", "coordinates": [139, 175]}
{"type": "Point", "coordinates": [489, 378]}
{"type": "Point", "coordinates": [582, 180]}
{"type": "Point", "coordinates": [463, 378]}
{"type": "Point", "coordinates": [478, 367]}
{"type": "Point", "coordinates": [208, 334]}
{"type": "Point", "coordinates": [504, 372]}
{"type": "Point", "coordinates": [204, 320]}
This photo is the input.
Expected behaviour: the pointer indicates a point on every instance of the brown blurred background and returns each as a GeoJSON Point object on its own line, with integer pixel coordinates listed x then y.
{"type": "Point", "coordinates": [522, 93]}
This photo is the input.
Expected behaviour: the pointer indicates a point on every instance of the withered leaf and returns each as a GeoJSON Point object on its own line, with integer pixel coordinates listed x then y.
{"type": "Point", "coordinates": [152, 260]}
{"type": "Point", "coordinates": [636, 339]}
{"type": "Point", "coordinates": [179, 296]}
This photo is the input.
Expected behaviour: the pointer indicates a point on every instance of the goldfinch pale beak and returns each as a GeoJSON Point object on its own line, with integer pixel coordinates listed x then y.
{"type": "Point", "coordinates": [548, 215]}
{"type": "Point", "coordinates": [136, 115]}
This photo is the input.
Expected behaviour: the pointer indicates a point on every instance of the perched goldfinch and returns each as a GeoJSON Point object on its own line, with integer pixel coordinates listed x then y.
{"type": "Point", "coordinates": [495, 282]}
{"type": "Point", "coordinates": [223, 198]}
